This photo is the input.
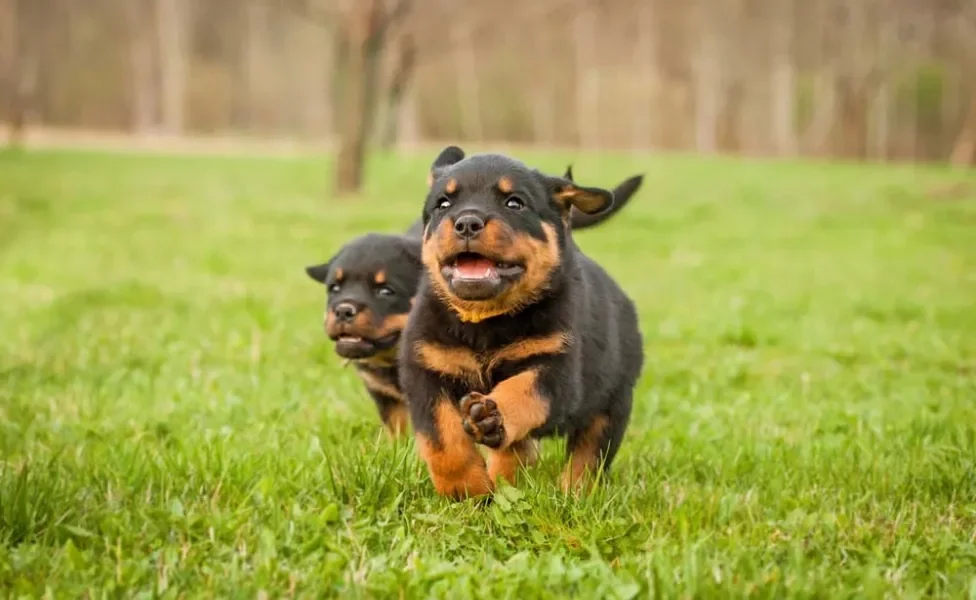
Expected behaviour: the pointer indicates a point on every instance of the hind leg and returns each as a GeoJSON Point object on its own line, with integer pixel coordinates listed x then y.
{"type": "Point", "coordinates": [395, 418]}
{"type": "Point", "coordinates": [393, 412]}
{"type": "Point", "coordinates": [595, 445]}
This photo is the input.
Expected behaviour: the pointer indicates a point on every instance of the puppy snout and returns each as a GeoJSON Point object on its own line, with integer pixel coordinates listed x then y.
{"type": "Point", "coordinates": [346, 311]}
{"type": "Point", "coordinates": [468, 226]}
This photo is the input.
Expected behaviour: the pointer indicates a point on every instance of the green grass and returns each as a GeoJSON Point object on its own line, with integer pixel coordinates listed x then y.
{"type": "Point", "coordinates": [173, 422]}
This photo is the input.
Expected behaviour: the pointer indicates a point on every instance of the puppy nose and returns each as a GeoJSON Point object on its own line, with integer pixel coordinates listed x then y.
{"type": "Point", "coordinates": [346, 311]}
{"type": "Point", "coordinates": [468, 226]}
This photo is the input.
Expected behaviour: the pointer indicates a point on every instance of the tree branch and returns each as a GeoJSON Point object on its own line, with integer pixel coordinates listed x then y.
{"type": "Point", "coordinates": [398, 12]}
{"type": "Point", "coordinates": [303, 8]}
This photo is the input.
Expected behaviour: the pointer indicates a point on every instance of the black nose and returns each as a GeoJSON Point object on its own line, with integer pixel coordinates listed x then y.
{"type": "Point", "coordinates": [345, 311]}
{"type": "Point", "coordinates": [468, 226]}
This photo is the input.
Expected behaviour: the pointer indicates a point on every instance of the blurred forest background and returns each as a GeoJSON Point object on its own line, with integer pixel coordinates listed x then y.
{"type": "Point", "coordinates": [855, 79]}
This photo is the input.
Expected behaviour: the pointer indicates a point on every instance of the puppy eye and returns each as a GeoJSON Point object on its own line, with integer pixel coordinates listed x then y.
{"type": "Point", "coordinates": [444, 204]}
{"type": "Point", "coordinates": [385, 291]}
{"type": "Point", "coordinates": [514, 203]}
{"type": "Point", "coordinates": [334, 288]}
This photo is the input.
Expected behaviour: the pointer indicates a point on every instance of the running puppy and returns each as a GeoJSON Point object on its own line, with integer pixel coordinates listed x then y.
{"type": "Point", "coordinates": [370, 284]}
{"type": "Point", "coordinates": [515, 334]}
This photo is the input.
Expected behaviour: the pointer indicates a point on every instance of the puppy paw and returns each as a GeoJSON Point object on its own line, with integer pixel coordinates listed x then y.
{"type": "Point", "coordinates": [482, 421]}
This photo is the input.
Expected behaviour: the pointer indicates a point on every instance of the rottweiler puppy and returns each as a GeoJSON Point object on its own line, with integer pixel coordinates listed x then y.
{"type": "Point", "coordinates": [370, 284]}
{"type": "Point", "coordinates": [515, 334]}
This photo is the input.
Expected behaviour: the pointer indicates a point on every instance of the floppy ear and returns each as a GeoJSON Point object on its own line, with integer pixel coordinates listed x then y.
{"type": "Point", "coordinates": [318, 272]}
{"type": "Point", "coordinates": [447, 157]}
{"type": "Point", "coordinates": [589, 200]}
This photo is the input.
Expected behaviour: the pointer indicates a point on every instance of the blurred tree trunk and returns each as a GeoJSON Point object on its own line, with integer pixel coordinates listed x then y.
{"type": "Point", "coordinates": [783, 78]}
{"type": "Point", "coordinates": [311, 79]}
{"type": "Point", "coordinates": [408, 125]}
{"type": "Point", "coordinates": [360, 43]}
{"type": "Point", "coordinates": [587, 76]}
{"type": "Point", "coordinates": [405, 61]}
{"type": "Point", "coordinates": [644, 135]}
{"type": "Point", "coordinates": [881, 118]}
{"type": "Point", "coordinates": [707, 79]}
{"type": "Point", "coordinates": [857, 82]}
{"type": "Point", "coordinates": [880, 104]}
{"type": "Point", "coordinates": [358, 88]}
{"type": "Point", "coordinates": [964, 146]}
{"type": "Point", "coordinates": [754, 63]}
{"type": "Point", "coordinates": [466, 65]}
{"type": "Point", "coordinates": [543, 121]}
{"type": "Point", "coordinates": [11, 77]}
{"type": "Point", "coordinates": [142, 65]}
{"type": "Point", "coordinates": [815, 138]}
{"type": "Point", "coordinates": [337, 80]}
{"type": "Point", "coordinates": [964, 149]}
{"type": "Point", "coordinates": [731, 131]}
{"type": "Point", "coordinates": [256, 53]}
{"type": "Point", "coordinates": [852, 96]}
{"type": "Point", "coordinates": [171, 37]}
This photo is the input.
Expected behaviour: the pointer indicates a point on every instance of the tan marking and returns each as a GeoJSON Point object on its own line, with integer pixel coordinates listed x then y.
{"type": "Point", "coordinates": [388, 357]}
{"type": "Point", "coordinates": [505, 185]}
{"type": "Point", "coordinates": [392, 324]}
{"type": "Point", "coordinates": [380, 277]}
{"type": "Point", "coordinates": [540, 258]}
{"type": "Point", "coordinates": [360, 325]}
{"type": "Point", "coordinates": [339, 274]}
{"type": "Point", "coordinates": [457, 362]}
{"type": "Point", "coordinates": [585, 457]}
{"type": "Point", "coordinates": [451, 186]}
{"type": "Point", "coordinates": [585, 201]}
{"type": "Point", "coordinates": [555, 343]}
{"type": "Point", "coordinates": [505, 463]}
{"type": "Point", "coordinates": [456, 468]}
{"type": "Point", "coordinates": [522, 407]}
{"type": "Point", "coordinates": [379, 385]}
{"type": "Point", "coordinates": [397, 421]}
{"type": "Point", "coordinates": [463, 364]}
{"type": "Point", "coordinates": [496, 239]}
{"type": "Point", "coordinates": [381, 360]}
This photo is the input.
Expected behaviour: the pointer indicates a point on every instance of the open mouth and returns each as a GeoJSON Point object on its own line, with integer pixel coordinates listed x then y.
{"type": "Point", "coordinates": [473, 276]}
{"type": "Point", "coordinates": [356, 347]}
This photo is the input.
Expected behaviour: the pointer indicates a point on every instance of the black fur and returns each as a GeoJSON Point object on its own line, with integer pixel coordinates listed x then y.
{"type": "Point", "coordinates": [591, 379]}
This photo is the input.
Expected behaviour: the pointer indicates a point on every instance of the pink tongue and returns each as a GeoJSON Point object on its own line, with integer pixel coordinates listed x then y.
{"type": "Point", "coordinates": [474, 268]}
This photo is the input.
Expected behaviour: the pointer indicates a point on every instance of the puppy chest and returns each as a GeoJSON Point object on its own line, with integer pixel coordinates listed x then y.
{"type": "Point", "coordinates": [481, 371]}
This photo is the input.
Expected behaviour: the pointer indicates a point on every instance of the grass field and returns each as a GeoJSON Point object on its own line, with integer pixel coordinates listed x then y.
{"type": "Point", "coordinates": [173, 422]}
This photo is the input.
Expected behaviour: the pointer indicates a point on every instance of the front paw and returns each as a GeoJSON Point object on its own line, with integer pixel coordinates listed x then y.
{"type": "Point", "coordinates": [481, 420]}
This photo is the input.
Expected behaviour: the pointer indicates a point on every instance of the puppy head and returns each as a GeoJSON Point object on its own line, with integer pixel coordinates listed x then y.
{"type": "Point", "coordinates": [496, 231]}
{"type": "Point", "coordinates": [370, 284]}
